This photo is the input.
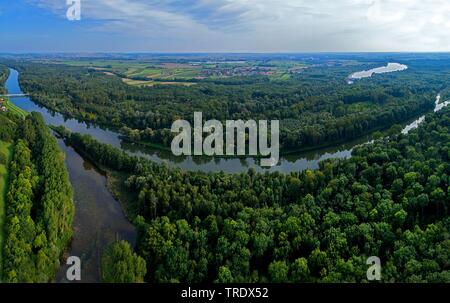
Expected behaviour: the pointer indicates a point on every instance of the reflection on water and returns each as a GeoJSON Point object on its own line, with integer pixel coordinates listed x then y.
{"type": "Point", "coordinates": [288, 163]}
{"type": "Point", "coordinates": [88, 165]}
{"type": "Point", "coordinates": [99, 219]}
{"type": "Point", "coordinates": [438, 106]}
{"type": "Point", "coordinates": [391, 67]}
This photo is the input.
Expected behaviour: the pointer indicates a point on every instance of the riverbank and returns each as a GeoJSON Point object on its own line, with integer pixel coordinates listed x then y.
{"type": "Point", "coordinates": [294, 162]}
{"type": "Point", "coordinates": [10, 106]}
{"type": "Point", "coordinates": [99, 218]}
{"type": "Point", "coordinates": [299, 152]}
{"type": "Point", "coordinates": [296, 152]}
{"type": "Point", "coordinates": [114, 180]}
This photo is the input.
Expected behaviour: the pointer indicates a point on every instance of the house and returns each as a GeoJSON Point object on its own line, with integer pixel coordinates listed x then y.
{"type": "Point", "coordinates": [3, 109]}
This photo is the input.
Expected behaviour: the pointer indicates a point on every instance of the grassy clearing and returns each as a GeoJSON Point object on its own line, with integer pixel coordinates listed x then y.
{"type": "Point", "coordinates": [6, 149]}
{"type": "Point", "coordinates": [15, 109]}
{"type": "Point", "coordinates": [137, 82]}
{"type": "Point", "coordinates": [153, 83]}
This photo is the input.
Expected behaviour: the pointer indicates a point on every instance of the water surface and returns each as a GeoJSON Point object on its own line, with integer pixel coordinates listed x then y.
{"type": "Point", "coordinates": [288, 163]}
{"type": "Point", "coordinates": [415, 124]}
{"type": "Point", "coordinates": [99, 219]}
{"type": "Point", "coordinates": [389, 68]}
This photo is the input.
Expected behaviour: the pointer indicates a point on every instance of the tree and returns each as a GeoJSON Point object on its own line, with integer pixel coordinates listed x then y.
{"type": "Point", "coordinates": [317, 226]}
{"type": "Point", "coordinates": [278, 271]}
{"type": "Point", "coordinates": [300, 271]}
{"type": "Point", "coordinates": [121, 265]}
{"type": "Point", "coordinates": [2, 158]}
{"type": "Point", "coordinates": [40, 209]}
{"type": "Point", "coordinates": [225, 275]}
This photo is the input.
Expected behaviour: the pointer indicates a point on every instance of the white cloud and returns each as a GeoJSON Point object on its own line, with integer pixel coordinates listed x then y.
{"type": "Point", "coordinates": [272, 25]}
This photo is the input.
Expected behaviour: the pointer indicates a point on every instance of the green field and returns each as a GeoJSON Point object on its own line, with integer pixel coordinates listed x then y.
{"type": "Point", "coordinates": [153, 83]}
{"type": "Point", "coordinates": [5, 148]}
{"type": "Point", "coordinates": [15, 109]}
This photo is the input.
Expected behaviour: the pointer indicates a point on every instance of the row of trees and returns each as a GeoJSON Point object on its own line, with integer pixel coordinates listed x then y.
{"type": "Point", "coordinates": [314, 107]}
{"type": "Point", "coordinates": [39, 206]}
{"type": "Point", "coordinates": [390, 200]}
{"type": "Point", "coordinates": [4, 73]}
{"type": "Point", "coordinates": [8, 122]}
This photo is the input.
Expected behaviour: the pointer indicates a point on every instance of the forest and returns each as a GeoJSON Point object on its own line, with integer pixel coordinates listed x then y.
{"type": "Point", "coordinates": [120, 264]}
{"type": "Point", "coordinates": [315, 107]}
{"type": "Point", "coordinates": [4, 73]}
{"type": "Point", "coordinates": [39, 208]}
{"type": "Point", "coordinates": [391, 200]}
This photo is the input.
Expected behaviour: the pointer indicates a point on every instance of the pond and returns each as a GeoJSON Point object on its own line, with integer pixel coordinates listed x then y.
{"type": "Point", "coordinates": [389, 68]}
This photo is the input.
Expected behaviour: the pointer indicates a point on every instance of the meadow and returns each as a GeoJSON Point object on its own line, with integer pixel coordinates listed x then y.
{"type": "Point", "coordinates": [15, 109]}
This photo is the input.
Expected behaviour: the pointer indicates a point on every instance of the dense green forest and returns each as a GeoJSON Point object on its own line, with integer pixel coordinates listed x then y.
{"type": "Point", "coordinates": [39, 207]}
{"type": "Point", "coordinates": [4, 73]}
{"type": "Point", "coordinates": [121, 265]}
{"type": "Point", "coordinates": [315, 107]}
{"type": "Point", "coordinates": [391, 200]}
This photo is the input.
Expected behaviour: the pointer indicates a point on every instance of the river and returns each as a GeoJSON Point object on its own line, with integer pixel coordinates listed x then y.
{"type": "Point", "coordinates": [288, 163]}
{"type": "Point", "coordinates": [389, 68]}
{"type": "Point", "coordinates": [99, 219]}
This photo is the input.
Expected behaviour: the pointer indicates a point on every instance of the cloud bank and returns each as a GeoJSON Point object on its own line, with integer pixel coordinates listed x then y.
{"type": "Point", "coordinates": [268, 25]}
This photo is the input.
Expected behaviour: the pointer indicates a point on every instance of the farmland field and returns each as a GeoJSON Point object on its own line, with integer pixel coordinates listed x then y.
{"type": "Point", "coordinates": [187, 69]}
{"type": "Point", "coordinates": [153, 83]}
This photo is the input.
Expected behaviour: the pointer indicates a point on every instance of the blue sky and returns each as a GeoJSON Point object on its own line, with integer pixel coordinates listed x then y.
{"type": "Point", "coordinates": [226, 26]}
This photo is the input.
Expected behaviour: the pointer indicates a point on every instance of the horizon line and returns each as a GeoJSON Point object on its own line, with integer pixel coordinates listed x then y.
{"type": "Point", "coordinates": [223, 52]}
